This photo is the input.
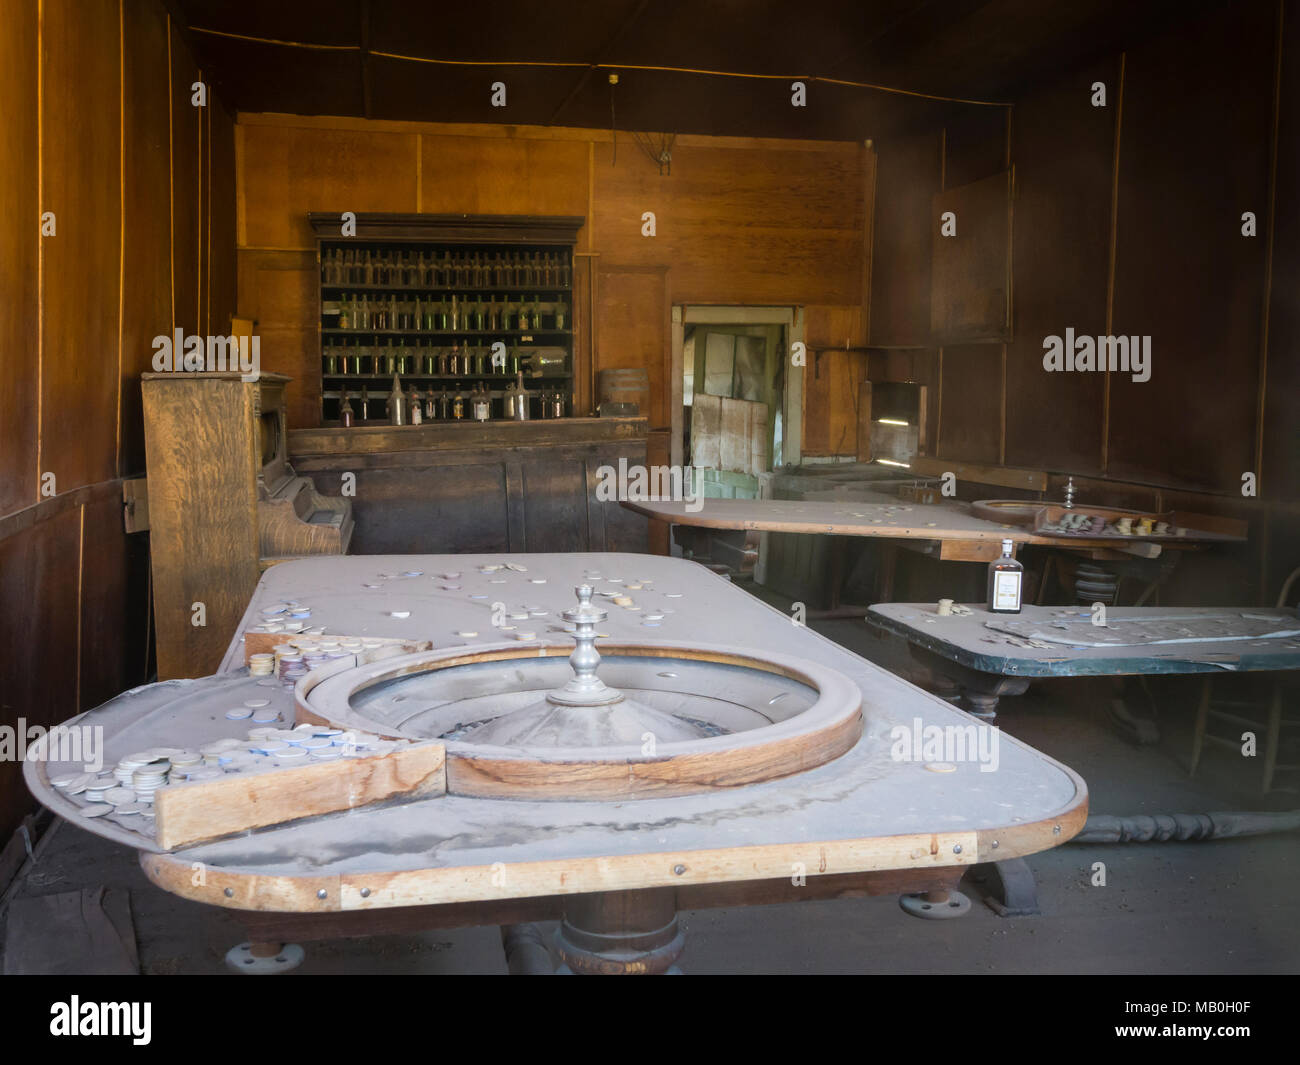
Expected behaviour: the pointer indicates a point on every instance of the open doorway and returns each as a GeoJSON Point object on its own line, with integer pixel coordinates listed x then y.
{"type": "Point", "coordinates": [737, 413]}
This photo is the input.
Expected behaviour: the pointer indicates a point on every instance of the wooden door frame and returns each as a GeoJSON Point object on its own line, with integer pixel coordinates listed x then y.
{"type": "Point", "coordinates": [792, 317]}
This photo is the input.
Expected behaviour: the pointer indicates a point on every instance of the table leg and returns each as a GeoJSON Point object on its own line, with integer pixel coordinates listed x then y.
{"type": "Point", "coordinates": [620, 933]}
{"type": "Point", "coordinates": [1202, 720]}
{"type": "Point", "coordinates": [1274, 735]}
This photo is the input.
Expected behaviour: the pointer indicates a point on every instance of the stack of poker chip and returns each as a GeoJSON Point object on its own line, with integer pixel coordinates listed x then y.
{"type": "Point", "coordinates": [149, 779]}
{"type": "Point", "coordinates": [262, 665]}
{"type": "Point", "coordinates": [126, 767]}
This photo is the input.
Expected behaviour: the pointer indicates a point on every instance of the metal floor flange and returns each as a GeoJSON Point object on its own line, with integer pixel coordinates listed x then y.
{"type": "Point", "coordinates": [935, 905]}
{"type": "Point", "coordinates": [241, 959]}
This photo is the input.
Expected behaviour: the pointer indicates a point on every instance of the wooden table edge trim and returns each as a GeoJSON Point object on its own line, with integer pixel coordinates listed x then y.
{"type": "Point", "coordinates": [1015, 534]}
{"type": "Point", "coordinates": [180, 874]}
{"type": "Point", "coordinates": [1033, 668]}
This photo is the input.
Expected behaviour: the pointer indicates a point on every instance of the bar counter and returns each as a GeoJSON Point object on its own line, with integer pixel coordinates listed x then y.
{"type": "Point", "coordinates": [449, 487]}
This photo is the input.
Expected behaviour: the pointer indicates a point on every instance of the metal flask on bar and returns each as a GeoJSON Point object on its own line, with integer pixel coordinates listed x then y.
{"type": "Point", "coordinates": [397, 403]}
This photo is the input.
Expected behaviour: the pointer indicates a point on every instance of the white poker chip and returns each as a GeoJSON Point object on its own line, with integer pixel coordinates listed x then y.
{"type": "Point", "coordinates": [118, 796]}
{"type": "Point", "coordinates": [240, 713]}
{"type": "Point", "coordinates": [75, 779]}
{"type": "Point", "coordinates": [97, 810]}
{"type": "Point", "coordinates": [399, 613]}
{"type": "Point", "coordinates": [467, 633]}
{"type": "Point", "coordinates": [257, 703]}
{"type": "Point", "coordinates": [130, 808]}
{"type": "Point", "coordinates": [291, 752]}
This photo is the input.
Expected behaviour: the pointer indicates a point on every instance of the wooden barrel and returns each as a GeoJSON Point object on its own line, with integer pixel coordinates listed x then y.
{"type": "Point", "coordinates": [624, 386]}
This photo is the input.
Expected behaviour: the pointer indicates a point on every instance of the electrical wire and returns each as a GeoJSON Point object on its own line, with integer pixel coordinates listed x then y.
{"type": "Point", "coordinates": [606, 66]}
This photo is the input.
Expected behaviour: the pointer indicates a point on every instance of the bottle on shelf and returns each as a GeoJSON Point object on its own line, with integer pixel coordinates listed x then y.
{"type": "Point", "coordinates": [481, 403]}
{"type": "Point", "coordinates": [345, 410]}
{"type": "Point", "coordinates": [397, 403]}
{"type": "Point", "coordinates": [365, 403]}
{"type": "Point", "coordinates": [458, 406]}
{"type": "Point", "coordinates": [417, 411]}
{"type": "Point", "coordinates": [1005, 581]}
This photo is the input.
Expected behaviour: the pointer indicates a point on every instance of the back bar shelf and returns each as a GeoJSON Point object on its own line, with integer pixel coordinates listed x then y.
{"type": "Point", "coordinates": [442, 301]}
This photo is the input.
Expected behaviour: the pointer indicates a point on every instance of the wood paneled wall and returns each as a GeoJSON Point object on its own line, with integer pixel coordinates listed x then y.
{"type": "Point", "coordinates": [1127, 220]}
{"type": "Point", "coordinates": [739, 221]}
{"type": "Point", "coordinates": [97, 127]}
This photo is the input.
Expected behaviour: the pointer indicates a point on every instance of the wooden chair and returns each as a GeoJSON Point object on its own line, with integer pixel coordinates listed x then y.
{"type": "Point", "coordinates": [1232, 711]}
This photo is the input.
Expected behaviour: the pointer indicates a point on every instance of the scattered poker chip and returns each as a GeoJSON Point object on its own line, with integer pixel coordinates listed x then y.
{"type": "Point", "coordinates": [98, 809]}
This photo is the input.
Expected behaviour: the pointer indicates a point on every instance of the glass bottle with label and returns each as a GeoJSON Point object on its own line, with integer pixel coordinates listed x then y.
{"type": "Point", "coordinates": [1006, 578]}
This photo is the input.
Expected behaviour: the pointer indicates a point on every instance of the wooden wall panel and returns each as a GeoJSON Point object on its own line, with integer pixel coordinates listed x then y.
{"type": "Point", "coordinates": [1280, 428]}
{"type": "Point", "coordinates": [81, 184]}
{"type": "Point", "coordinates": [555, 506]}
{"type": "Point", "coordinates": [486, 175]}
{"type": "Point", "coordinates": [19, 253]}
{"type": "Point", "coordinates": [288, 171]}
{"type": "Point", "coordinates": [831, 379]}
{"type": "Point", "coordinates": [974, 145]}
{"type": "Point", "coordinates": [187, 190]}
{"type": "Point", "coordinates": [219, 300]}
{"type": "Point", "coordinates": [146, 254]}
{"type": "Point", "coordinates": [279, 292]}
{"type": "Point", "coordinates": [1064, 149]}
{"type": "Point", "coordinates": [105, 594]}
{"type": "Point", "coordinates": [632, 329]}
{"type": "Point", "coordinates": [737, 225]}
{"type": "Point", "coordinates": [39, 568]}
{"type": "Point", "coordinates": [970, 412]}
{"type": "Point", "coordinates": [1184, 274]}
{"type": "Point", "coordinates": [907, 176]}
